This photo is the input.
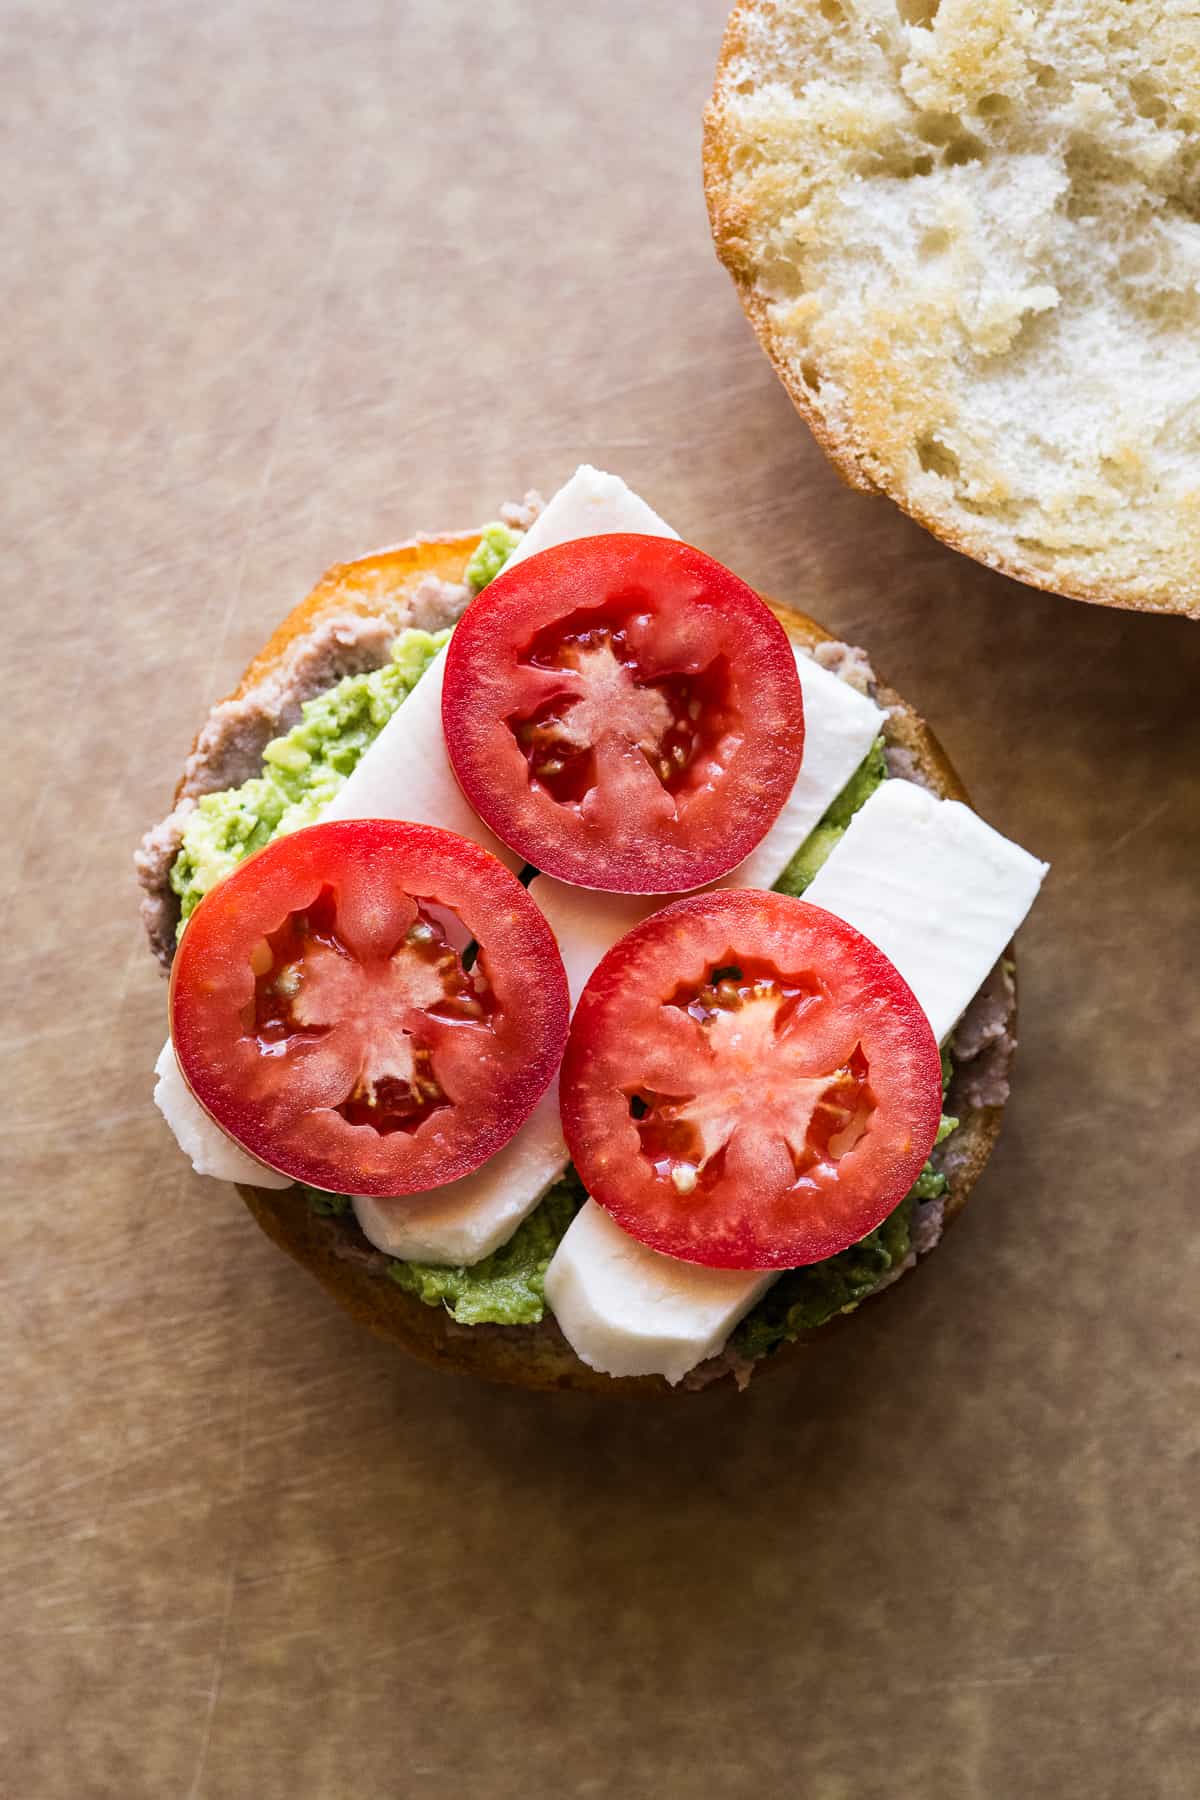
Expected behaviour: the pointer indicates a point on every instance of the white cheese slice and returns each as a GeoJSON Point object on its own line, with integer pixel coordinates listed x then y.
{"type": "Point", "coordinates": [406, 773]}
{"type": "Point", "coordinates": [626, 1310]}
{"type": "Point", "coordinates": [587, 923]}
{"type": "Point", "coordinates": [198, 1136]}
{"type": "Point", "coordinates": [840, 725]}
{"type": "Point", "coordinates": [591, 504]}
{"type": "Point", "coordinates": [937, 890]}
{"type": "Point", "coordinates": [466, 1220]}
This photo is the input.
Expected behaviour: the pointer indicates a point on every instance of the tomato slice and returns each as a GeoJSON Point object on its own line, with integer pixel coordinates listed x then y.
{"type": "Point", "coordinates": [749, 1083]}
{"type": "Point", "coordinates": [326, 1013]}
{"type": "Point", "coordinates": [624, 713]}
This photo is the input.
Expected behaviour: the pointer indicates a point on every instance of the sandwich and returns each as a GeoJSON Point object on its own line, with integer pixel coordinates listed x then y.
{"type": "Point", "coordinates": [591, 972]}
{"type": "Point", "coordinates": [966, 237]}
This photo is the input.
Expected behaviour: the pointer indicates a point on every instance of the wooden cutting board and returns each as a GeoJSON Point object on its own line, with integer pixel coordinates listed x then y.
{"type": "Point", "coordinates": [282, 284]}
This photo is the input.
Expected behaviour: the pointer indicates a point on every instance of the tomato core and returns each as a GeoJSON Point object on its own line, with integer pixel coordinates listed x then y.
{"type": "Point", "coordinates": [307, 979]}
{"type": "Point", "coordinates": [747, 1014]}
{"type": "Point", "coordinates": [672, 719]}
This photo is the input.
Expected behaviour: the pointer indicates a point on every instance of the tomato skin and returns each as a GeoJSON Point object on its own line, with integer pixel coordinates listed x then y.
{"type": "Point", "coordinates": [766, 1131]}
{"type": "Point", "coordinates": [357, 1008]}
{"type": "Point", "coordinates": [625, 713]}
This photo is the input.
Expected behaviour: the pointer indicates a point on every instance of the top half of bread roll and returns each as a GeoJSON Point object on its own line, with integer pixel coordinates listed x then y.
{"type": "Point", "coordinates": [968, 235]}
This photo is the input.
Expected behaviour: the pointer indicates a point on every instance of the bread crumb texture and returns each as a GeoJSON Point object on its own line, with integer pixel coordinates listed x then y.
{"type": "Point", "coordinates": [968, 234]}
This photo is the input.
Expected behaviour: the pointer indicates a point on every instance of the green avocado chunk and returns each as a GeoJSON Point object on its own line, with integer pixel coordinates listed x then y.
{"type": "Point", "coordinates": [493, 550]}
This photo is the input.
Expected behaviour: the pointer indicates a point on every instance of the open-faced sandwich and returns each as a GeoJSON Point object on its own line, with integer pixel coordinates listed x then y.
{"type": "Point", "coordinates": [589, 970]}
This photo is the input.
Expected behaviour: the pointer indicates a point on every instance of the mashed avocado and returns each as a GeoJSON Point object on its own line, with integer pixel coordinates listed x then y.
{"type": "Point", "coordinates": [491, 553]}
{"type": "Point", "coordinates": [302, 771]}
{"type": "Point", "coordinates": [506, 1287]}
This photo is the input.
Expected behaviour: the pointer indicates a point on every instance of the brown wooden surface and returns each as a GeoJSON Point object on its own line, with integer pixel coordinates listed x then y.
{"type": "Point", "coordinates": [285, 282]}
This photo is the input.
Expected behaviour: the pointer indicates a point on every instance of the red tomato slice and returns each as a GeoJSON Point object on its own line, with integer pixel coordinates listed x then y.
{"type": "Point", "coordinates": [624, 713]}
{"type": "Point", "coordinates": [749, 1083]}
{"type": "Point", "coordinates": [324, 1014]}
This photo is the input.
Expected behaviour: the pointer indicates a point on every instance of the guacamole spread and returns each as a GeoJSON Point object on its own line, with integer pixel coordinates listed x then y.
{"type": "Point", "coordinates": [506, 1287]}
{"type": "Point", "coordinates": [302, 771]}
{"type": "Point", "coordinates": [490, 555]}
